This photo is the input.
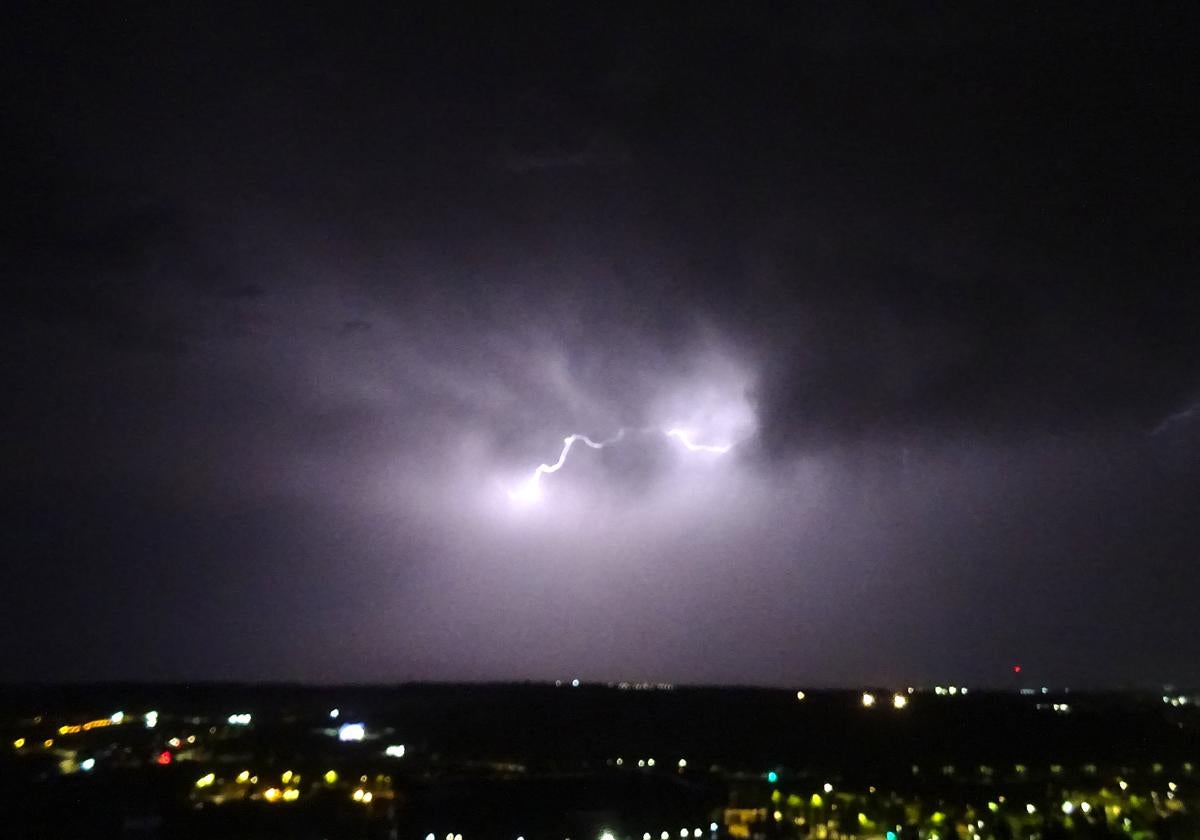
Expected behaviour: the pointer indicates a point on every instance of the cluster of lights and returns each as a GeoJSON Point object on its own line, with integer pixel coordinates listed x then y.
{"type": "Point", "coordinates": [683, 832]}
{"type": "Point", "coordinates": [242, 719]}
{"type": "Point", "coordinates": [952, 690]}
{"type": "Point", "coordinates": [150, 719]}
{"type": "Point", "coordinates": [394, 751]}
{"type": "Point", "coordinates": [76, 728]}
{"type": "Point", "coordinates": [1181, 700]}
{"type": "Point", "coordinates": [642, 686]}
{"type": "Point", "coordinates": [206, 780]}
{"type": "Point", "coordinates": [363, 796]}
{"type": "Point", "coordinates": [274, 794]}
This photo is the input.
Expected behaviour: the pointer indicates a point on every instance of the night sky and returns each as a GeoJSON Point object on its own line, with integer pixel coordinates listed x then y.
{"type": "Point", "coordinates": [293, 301]}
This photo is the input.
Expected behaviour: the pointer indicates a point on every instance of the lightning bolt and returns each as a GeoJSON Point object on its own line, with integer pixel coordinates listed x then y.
{"type": "Point", "coordinates": [530, 490]}
{"type": "Point", "coordinates": [683, 437]}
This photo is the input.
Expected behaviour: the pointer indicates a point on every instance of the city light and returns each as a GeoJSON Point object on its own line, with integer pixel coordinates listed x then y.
{"type": "Point", "coordinates": [712, 826]}
{"type": "Point", "coordinates": [117, 717]}
{"type": "Point", "coordinates": [286, 777]}
{"type": "Point", "coordinates": [331, 777]}
{"type": "Point", "coordinates": [868, 699]}
{"type": "Point", "coordinates": [899, 701]}
{"type": "Point", "coordinates": [394, 751]}
{"type": "Point", "coordinates": [333, 713]}
{"type": "Point", "coordinates": [800, 695]}
{"type": "Point", "coordinates": [772, 777]}
{"type": "Point", "coordinates": [682, 763]}
{"type": "Point", "coordinates": [272, 794]}
{"type": "Point", "coordinates": [291, 795]}
{"type": "Point", "coordinates": [1030, 808]}
{"type": "Point", "coordinates": [76, 728]}
{"type": "Point", "coordinates": [243, 777]}
{"type": "Point", "coordinates": [828, 788]}
{"type": "Point", "coordinates": [1068, 807]}
{"type": "Point", "coordinates": [17, 744]}
{"type": "Point", "coordinates": [164, 758]}
{"type": "Point", "coordinates": [150, 719]}
{"type": "Point", "coordinates": [607, 835]}
{"type": "Point", "coordinates": [87, 764]}
{"type": "Point", "coordinates": [351, 732]}
{"type": "Point", "coordinates": [242, 719]}
{"type": "Point", "coordinates": [1086, 807]}
{"type": "Point", "coordinates": [358, 794]}
{"type": "Point", "coordinates": [206, 780]}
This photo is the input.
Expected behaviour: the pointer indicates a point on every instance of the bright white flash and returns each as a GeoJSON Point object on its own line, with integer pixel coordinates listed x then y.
{"type": "Point", "coordinates": [530, 491]}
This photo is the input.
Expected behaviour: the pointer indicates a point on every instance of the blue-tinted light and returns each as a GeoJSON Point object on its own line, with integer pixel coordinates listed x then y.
{"type": "Point", "coordinates": [772, 777]}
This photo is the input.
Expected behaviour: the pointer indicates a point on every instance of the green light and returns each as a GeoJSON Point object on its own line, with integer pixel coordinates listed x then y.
{"type": "Point", "coordinates": [772, 777]}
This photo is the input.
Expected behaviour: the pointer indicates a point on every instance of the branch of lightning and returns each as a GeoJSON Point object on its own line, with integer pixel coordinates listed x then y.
{"type": "Point", "coordinates": [530, 490]}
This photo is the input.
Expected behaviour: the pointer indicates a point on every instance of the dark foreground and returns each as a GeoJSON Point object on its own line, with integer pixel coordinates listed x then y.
{"type": "Point", "coordinates": [581, 763]}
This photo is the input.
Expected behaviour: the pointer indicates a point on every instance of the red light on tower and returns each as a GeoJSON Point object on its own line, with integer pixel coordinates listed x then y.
{"type": "Point", "coordinates": [164, 757]}
{"type": "Point", "coordinates": [1016, 669]}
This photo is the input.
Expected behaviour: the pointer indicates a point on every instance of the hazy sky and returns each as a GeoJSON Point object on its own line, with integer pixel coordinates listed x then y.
{"type": "Point", "coordinates": [293, 300]}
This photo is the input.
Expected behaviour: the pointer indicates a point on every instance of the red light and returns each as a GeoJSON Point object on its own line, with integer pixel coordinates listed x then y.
{"type": "Point", "coordinates": [1016, 669]}
{"type": "Point", "coordinates": [164, 757]}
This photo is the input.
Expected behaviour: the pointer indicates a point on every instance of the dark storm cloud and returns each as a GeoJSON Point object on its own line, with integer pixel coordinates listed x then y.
{"type": "Point", "coordinates": [296, 300]}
